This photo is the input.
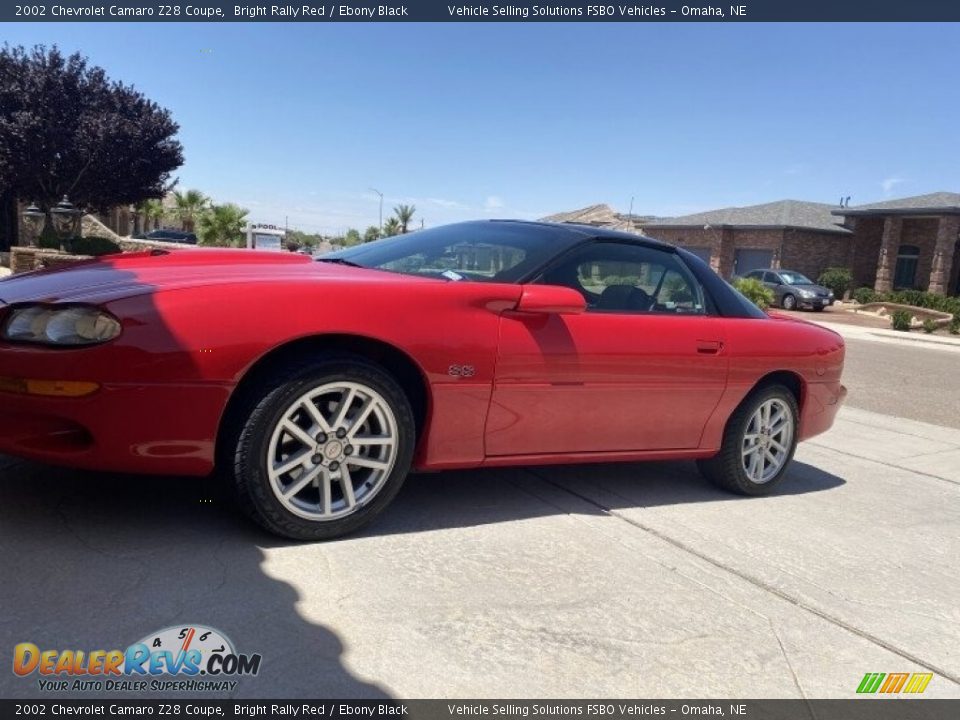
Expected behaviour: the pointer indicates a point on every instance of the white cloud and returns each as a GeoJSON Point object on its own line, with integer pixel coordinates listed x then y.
{"type": "Point", "coordinates": [890, 183]}
{"type": "Point", "coordinates": [493, 204]}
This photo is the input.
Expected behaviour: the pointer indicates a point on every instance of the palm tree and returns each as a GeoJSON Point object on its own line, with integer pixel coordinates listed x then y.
{"type": "Point", "coordinates": [152, 212]}
{"type": "Point", "coordinates": [189, 206]}
{"type": "Point", "coordinates": [223, 225]}
{"type": "Point", "coordinates": [404, 215]}
{"type": "Point", "coordinates": [392, 227]}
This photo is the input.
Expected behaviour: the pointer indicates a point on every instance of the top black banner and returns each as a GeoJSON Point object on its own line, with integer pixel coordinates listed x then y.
{"type": "Point", "coordinates": [518, 11]}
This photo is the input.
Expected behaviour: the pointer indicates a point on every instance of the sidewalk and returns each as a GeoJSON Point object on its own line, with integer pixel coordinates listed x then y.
{"type": "Point", "coordinates": [855, 332]}
{"type": "Point", "coordinates": [631, 580]}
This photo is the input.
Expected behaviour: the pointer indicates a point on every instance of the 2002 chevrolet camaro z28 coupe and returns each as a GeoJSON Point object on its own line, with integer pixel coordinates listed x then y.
{"type": "Point", "coordinates": [315, 385]}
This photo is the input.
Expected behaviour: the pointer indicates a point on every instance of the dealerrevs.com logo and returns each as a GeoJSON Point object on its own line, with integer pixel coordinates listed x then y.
{"type": "Point", "coordinates": [189, 659]}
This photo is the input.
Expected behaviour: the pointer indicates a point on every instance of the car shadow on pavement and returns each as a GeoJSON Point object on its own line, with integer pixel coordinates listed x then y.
{"type": "Point", "coordinates": [93, 561]}
{"type": "Point", "coordinates": [435, 501]}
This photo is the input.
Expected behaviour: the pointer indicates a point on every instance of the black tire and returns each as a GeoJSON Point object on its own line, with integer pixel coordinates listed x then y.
{"type": "Point", "coordinates": [725, 469]}
{"type": "Point", "coordinates": [818, 308]}
{"type": "Point", "coordinates": [257, 417]}
{"type": "Point", "coordinates": [788, 302]}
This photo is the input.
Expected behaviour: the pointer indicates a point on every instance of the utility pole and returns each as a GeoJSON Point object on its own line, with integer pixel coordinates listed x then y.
{"type": "Point", "coordinates": [381, 208]}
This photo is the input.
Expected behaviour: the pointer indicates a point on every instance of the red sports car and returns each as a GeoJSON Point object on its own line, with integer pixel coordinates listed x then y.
{"type": "Point", "coordinates": [316, 385]}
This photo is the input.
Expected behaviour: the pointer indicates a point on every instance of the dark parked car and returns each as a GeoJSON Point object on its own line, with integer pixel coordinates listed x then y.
{"type": "Point", "coordinates": [176, 236]}
{"type": "Point", "coordinates": [793, 289]}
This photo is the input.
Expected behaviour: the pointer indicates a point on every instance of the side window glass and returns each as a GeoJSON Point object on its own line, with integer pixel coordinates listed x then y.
{"type": "Point", "coordinates": [629, 278]}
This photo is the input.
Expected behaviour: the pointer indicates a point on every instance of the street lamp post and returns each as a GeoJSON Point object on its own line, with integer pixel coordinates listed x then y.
{"type": "Point", "coordinates": [381, 209]}
{"type": "Point", "coordinates": [33, 222]}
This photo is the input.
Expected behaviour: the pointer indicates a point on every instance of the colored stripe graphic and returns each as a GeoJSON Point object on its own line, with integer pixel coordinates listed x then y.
{"type": "Point", "coordinates": [870, 682]}
{"type": "Point", "coordinates": [895, 681]}
{"type": "Point", "coordinates": [918, 682]}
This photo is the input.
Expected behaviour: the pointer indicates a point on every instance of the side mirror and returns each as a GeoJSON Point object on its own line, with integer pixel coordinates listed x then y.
{"type": "Point", "coordinates": [551, 300]}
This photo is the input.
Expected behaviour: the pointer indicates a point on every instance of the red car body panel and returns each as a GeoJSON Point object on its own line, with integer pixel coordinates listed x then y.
{"type": "Point", "coordinates": [503, 387]}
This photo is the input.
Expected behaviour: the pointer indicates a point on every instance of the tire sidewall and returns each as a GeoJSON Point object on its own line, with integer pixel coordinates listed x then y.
{"type": "Point", "coordinates": [789, 302]}
{"type": "Point", "coordinates": [252, 448]}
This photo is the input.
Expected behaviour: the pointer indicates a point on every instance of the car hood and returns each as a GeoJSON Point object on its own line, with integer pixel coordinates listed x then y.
{"type": "Point", "coordinates": [811, 287]}
{"type": "Point", "coordinates": [126, 275]}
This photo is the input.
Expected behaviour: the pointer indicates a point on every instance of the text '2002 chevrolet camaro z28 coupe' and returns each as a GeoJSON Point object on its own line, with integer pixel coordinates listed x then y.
{"type": "Point", "coordinates": [316, 385]}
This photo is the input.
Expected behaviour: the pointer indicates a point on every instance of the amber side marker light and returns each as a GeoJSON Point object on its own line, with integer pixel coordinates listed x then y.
{"type": "Point", "coordinates": [48, 388]}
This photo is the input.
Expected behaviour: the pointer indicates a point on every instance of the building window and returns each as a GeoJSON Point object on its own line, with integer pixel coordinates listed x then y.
{"type": "Point", "coordinates": [905, 275]}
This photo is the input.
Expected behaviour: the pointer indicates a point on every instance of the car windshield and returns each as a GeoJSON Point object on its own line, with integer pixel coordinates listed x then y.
{"type": "Point", "coordinates": [795, 278]}
{"type": "Point", "coordinates": [474, 251]}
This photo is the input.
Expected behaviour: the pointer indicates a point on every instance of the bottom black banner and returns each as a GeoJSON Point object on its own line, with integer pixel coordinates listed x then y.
{"type": "Point", "coordinates": [872, 708]}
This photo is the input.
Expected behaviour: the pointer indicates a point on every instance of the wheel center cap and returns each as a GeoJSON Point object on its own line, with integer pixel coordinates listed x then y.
{"type": "Point", "coordinates": [333, 449]}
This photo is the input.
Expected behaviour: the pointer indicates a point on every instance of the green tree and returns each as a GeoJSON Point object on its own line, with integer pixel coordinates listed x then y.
{"type": "Point", "coordinates": [190, 205]}
{"type": "Point", "coordinates": [307, 240]}
{"type": "Point", "coordinates": [352, 237]}
{"type": "Point", "coordinates": [223, 225]}
{"type": "Point", "coordinates": [404, 214]}
{"type": "Point", "coordinates": [392, 227]}
{"type": "Point", "coordinates": [371, 233]}
{"type": "Point", "coordinates": [66, 128]}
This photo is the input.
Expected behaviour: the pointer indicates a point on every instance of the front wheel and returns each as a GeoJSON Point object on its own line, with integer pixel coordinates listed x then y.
{"type": "Point", "coordinates": [758, 443]}
{"type": "Point", "coordinates": [789, 302]}
{"type": "Point", "coordinates": [324, 449]}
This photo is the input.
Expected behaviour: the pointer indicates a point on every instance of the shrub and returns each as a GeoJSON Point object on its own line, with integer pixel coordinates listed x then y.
{"type": "Point", "coordinates": [838, 279]}
{"type": "Point", "coordinates": [955, 326]}
{"type": "Point", "coordinates": [901, 320]}
{"type": "Point", "coordinates": [919, 298]}
{"type": "Point", "coordinates": [93, 245]}
{"type": "Point", "coordinates": [755, 291]}
{"type": "Point", "coordinates": [864, 295]}
{"type": "Point", "coordinates": [929, 325]}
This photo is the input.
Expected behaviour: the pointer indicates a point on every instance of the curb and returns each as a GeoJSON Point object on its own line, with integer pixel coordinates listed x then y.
{"type": "Point", "coordinates": [943, 342]}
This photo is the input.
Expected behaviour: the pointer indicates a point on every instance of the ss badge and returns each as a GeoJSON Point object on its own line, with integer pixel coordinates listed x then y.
{"type": "Point", "coordinates": [461, 371]}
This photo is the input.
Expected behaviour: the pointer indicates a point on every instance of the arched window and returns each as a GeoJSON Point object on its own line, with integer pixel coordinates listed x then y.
{"type": "Point", "coordinates": [905, 275]}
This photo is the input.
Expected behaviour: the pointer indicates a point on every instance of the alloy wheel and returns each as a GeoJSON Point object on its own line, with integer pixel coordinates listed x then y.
{"type": "Point", "coordinates": [332, 451]}
{"type": "Point", "coordinates": [767, 441]}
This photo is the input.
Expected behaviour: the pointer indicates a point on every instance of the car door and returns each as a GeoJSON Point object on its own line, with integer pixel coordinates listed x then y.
{"type": "Point", "coordinates": [642, 369]}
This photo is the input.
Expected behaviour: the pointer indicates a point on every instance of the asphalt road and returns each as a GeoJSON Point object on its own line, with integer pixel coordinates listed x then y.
{"type": "Point", "coordinates": [908, 379]}
{"type": "Point", "coordinates": [607, 581]}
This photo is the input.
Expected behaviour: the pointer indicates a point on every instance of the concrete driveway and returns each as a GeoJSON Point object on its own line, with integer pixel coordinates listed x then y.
{"type": "Point", "coordinates": [599, 581]}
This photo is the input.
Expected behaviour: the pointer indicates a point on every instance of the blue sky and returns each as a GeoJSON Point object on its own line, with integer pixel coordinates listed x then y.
{"type": "Point", "coordinates": [493, 120]}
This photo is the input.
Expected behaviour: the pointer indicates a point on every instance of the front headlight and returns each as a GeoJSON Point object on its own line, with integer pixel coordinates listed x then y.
{"type": "Point", "coordinates": [807, 294]}
{"type": "Point", "coordinates": [60, 326]}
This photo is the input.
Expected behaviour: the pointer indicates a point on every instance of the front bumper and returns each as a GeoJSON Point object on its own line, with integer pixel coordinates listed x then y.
{"type": "Point", "coordinates": [812, 303]}
{"type": "Point", "coordinates": [138, 428]}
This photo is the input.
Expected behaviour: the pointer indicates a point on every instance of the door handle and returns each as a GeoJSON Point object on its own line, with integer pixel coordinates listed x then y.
{"type": "Point", "coordinates": [709, 347]}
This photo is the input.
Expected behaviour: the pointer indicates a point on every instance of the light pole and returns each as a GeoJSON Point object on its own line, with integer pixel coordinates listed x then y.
{"type": "Point", "coordinates": [381, 209]}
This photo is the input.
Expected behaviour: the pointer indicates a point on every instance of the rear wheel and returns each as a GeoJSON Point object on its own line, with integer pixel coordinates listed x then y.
{"type": "Point", "coordinates": [789, 302]}
{"type": "Point", "coordinates": [324, 449]}
{"type": "Point", "coordinates": [758, 443]}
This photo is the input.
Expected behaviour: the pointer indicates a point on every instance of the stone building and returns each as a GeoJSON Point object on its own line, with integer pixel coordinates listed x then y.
{"type": "Point", "coordinates": [911, 243]}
